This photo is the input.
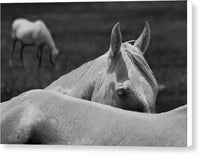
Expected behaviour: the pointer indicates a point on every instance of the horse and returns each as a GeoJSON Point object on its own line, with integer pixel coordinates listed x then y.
{"type": "Point", "coordinates": [49, 117]}
{"type": "Point", "coordinates": [121, 77]}
{"type": "Point", "coordinates": [33, 34]}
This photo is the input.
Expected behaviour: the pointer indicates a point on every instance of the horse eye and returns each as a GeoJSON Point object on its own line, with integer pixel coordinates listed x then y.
{"type": "Point", "coordinates": [122, 92]}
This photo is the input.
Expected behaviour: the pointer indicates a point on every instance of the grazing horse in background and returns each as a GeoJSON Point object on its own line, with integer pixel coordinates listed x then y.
{"type": "Point", "coordinates": [121, 77]}
{"type": "Point", "coordinates": [33, 33]}
{"type": "Point", "coordinates": [48, 117]}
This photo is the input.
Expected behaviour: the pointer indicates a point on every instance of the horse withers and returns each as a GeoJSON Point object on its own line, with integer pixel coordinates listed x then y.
{"type": "Point", "coordinates": [48, 117]}
{"type": "Point", "coordinates": [121, 77]}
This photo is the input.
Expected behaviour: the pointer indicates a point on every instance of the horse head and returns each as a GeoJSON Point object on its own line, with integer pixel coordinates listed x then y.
{"type": "Point", "coordinates": [121, 77]}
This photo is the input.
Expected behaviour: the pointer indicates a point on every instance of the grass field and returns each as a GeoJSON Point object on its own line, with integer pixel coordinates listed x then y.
{"type": "Point", "coordinates": [82, 31]}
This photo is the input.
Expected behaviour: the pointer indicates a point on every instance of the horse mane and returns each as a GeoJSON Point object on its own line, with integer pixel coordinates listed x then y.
{"type": "Point", "coordinates": [87, 65]}
{"type": "Point", "coordinates": [137, 58]}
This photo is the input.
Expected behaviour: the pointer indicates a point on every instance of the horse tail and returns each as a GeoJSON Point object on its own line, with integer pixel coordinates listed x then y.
{"type": "Point", "coordinates": [13, 34]}
{"type": "Point", "coordinates": [12, 31]}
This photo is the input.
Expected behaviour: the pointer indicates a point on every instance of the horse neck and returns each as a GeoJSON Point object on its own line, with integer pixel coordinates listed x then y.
{"type": "Point", "coordinates": [51, 43]}
{"type": "Point", "coordinates": [84, 86]}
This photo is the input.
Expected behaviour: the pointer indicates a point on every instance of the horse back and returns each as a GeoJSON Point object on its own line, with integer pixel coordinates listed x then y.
{"type": "Point", "coordinates": [47, 117]}
{"type": "Point", "coordinates": [23, 122]}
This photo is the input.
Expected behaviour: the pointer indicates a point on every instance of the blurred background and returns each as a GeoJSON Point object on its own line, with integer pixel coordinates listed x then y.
{"type": "Point", "coordinates": [82, 32]}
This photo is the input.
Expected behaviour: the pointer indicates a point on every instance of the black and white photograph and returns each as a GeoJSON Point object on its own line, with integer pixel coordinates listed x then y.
{"type": "Point", "coordinates": [94, 73]}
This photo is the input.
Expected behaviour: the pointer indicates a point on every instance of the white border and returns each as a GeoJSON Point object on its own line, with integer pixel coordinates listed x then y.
{"type": "Point", "coordinates": [189, 73]}
{"type": "Point", "coordinates": [99, 150]}
{"type": "Point", "coordinates": [42, 1]}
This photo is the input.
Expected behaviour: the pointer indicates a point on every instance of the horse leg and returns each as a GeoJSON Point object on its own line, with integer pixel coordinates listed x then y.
{"type": "Point", "coordinates": [12, 52]}
{"type": "Point", "coordinates": [21, 55]}
{"type": "Point", "coordinates": [51, 60]}
{"type": "Point", "coordinates": [39, 55]}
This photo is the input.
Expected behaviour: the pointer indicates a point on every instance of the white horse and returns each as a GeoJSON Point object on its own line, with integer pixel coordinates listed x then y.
{"type": "Point", "coordinates": [33, 33]}
{"type": "Point", "coordinates": [48, 117]}
{"type": "Point", "coordinates": [121, 77]}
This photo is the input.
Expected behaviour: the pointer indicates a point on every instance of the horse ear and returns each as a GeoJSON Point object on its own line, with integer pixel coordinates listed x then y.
{"type": "Point", "coordinates": [115, 40]}
{"type": "Point", "coordinates": [142, 42]}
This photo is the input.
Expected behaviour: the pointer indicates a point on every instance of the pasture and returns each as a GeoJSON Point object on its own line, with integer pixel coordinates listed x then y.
{"type": "Point", "coordinates": [82, 31]}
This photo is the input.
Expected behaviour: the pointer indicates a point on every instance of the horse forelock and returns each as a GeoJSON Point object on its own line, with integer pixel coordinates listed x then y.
{"type": "Point", "coordinates": [136, 58]}
{"type": "Point", "coordinates": [139, 61]}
